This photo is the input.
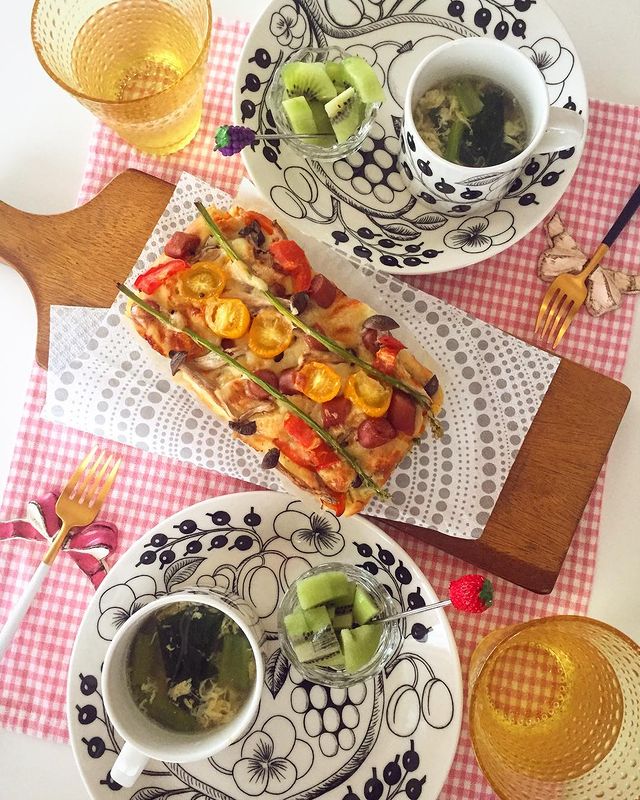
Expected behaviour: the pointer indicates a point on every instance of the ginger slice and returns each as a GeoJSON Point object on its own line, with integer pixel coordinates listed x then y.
{"type": "Point", "coordinates": [605, 286]}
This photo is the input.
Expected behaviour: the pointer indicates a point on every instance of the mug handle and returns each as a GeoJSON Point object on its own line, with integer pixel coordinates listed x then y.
{"type": "Point", "coordinates": [128, 766]}
{"type": "Point", "coordinates": [565, 129]}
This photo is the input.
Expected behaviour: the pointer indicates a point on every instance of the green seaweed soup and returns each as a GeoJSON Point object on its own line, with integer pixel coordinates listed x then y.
{"type": "Point", "coordinates": [471, 121]}
{"type": "Point", "coordinates": [190, 668]}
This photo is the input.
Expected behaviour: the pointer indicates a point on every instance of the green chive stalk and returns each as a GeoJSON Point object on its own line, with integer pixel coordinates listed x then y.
{"type": "Point", "coordinates": [277, 395]}
{"type": "Point", "coordinates": [330, 344]}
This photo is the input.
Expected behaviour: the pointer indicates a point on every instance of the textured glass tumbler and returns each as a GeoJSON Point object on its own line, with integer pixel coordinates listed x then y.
{"type": "Point", "coordinates": [554, 710]}
{"type": "Point", "coordinates": [138, 65]}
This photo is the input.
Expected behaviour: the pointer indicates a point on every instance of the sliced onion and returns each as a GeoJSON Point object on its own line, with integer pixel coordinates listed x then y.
{"type": "Point", "coordinates": [209, 361]}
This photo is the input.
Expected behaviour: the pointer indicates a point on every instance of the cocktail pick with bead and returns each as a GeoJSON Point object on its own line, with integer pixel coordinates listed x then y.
{"type": "Point", "coordinates": [231, 139]}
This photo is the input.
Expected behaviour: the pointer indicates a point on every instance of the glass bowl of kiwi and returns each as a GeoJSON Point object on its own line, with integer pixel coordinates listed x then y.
{"type": "Point", "coordinates": [328, 98]}
{"type": "Point", "coordinates": [329, 629]}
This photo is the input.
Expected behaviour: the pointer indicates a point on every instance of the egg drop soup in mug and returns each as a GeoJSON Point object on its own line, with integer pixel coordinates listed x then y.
{"type": "Point", "coordinates": [190, 668]}
{"type": "Point", "coordinates": [472, 121]}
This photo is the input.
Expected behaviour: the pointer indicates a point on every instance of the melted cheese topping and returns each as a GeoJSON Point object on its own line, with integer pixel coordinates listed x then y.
{"type": "Point", "coordinates": [225, 392]}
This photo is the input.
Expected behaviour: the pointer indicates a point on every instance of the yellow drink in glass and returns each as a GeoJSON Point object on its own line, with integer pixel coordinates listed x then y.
{"type": "Point", "coordinates": [138, 65]}
{"type": "Point", "coordinates": [554, 710]}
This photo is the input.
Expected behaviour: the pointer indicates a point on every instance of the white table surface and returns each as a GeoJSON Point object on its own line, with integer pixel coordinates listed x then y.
{"type": "Point", "coordinates": [43, 146]}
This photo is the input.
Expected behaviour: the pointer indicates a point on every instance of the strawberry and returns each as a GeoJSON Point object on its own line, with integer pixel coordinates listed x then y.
{"type": "Point", "coordinates": [472, 593]}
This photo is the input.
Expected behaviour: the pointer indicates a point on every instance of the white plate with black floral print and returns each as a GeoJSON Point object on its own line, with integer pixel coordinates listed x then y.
{"type": "Point", "coordinates": [119, 388]}
{"type": "Point", "coordinates": [392, 735]}
{"type": "Point", "coordinates": [359, 204]}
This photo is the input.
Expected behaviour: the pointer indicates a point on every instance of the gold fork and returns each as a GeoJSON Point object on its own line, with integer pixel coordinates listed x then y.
{"type": "Point", "coordinates": [78, 505]}
{"type": "Point", "coordinates": [566, 295]}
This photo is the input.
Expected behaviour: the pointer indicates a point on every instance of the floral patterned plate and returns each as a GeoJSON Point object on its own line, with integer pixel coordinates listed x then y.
{"type": "Point", "coordinates": [393, 735]}
{"type": "Point", "coordinates": [360, 205]}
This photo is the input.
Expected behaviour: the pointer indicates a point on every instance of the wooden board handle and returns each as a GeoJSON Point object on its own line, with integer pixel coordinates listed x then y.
{"type": "Point", "coordinates": [74, 258]}
{"type": "Point", "coordinates": [15, 228]}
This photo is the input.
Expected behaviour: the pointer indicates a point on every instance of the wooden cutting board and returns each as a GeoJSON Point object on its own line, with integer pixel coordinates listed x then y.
{"type": "Point", "coordinates": [75, 258]}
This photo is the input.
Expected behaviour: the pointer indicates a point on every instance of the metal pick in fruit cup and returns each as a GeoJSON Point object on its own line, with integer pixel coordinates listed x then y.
{"type": "Point", "coordinates": [232, 139]}
{"type": "Point", "coordinates": [328, 98]}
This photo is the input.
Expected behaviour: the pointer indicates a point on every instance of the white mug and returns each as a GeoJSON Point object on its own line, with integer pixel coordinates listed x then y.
{"type": "Point", "coordinates": [453, 188]}
{"type": "Point", "coordinates": [146, 739]}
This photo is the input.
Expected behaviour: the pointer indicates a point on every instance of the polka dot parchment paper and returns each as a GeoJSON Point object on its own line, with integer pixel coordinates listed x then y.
{"type": "Point", "coordinates": [116, 386]}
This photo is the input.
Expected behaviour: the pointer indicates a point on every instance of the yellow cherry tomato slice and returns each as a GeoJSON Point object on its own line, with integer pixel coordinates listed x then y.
{"type": "Point", "coordinates": [368, 394]}
{"type": "Point", "coordinates": [202, 281]}
{"type": "Point", "coordinates": [229, 318]}
{"type": "Point", "coordinates": [270, 333]}
{"type": "Point", "coordinates": [318, 381]}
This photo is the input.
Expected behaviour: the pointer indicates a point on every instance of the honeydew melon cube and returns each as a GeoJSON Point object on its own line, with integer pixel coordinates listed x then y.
{"type": "Point", "coordinates": [325, 587]}
{"type": "Point", "coordinates": [359, 645]}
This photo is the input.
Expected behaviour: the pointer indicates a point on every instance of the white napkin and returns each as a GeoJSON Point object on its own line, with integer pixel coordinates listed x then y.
{"type": "Point", "coordinates": [116, 386]}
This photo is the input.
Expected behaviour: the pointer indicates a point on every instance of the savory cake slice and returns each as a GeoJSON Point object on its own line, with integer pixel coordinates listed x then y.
{"type": "Point", "coordinates": [310, 377]}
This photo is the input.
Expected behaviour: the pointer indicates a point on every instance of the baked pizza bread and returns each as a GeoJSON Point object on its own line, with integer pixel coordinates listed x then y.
{"type": "Point", "coordinates": [254, 306]}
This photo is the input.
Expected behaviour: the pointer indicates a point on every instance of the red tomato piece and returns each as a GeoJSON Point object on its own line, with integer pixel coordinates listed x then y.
{"type": "Point", "coordinates": [338, 506]}
{"type": "Point", "coordinates": [299, 430]}
{"type": "Point", "coordinates": [153, 278]}
{"type": "Point", "coordinates": [289, 255]}
{"type": "Point", "coordinates": [302, 278]}
{"type": "Point", "coordinates": [385, 359]}
{"type": "Point", "coordinates": [264, 222]}
{"type": "Point", "coordinates": [301, 458]}
{"type": "Point", "coordinates": [387, 340]}
{"type": "Point", "coordinates": [323, 455]}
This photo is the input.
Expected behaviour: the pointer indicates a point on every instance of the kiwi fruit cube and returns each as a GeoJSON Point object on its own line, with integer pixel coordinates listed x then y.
{"type": "Point", "coordinates": [343, 620]}
{"type": "Point", "coordinates": [364, 607]}
{"type": "Point", "coordinates": [343, 617]}
{"type": "Point", "coordinates": [299, 115]}
{"type": "Point", "coordinates": [346, 113]}
{"type": "Point", "coordinates": [337, 661]}
{"type": "Point", "coordinates": [359, 645]}
{"type": "Point", "coordinates": [296, 626]}
{"type": "Point", "coordinates": [363, 78]}
{"type": "Point", "coordinates": [321, 120]}
{"type": "Point", "coordinates": [322, 588]}
{"type": "Point", "coordinates": [301, 78]}
{"type": "Point", "coordinates": [311, 634]}
{"type": "Point", "coordinates": [301, 623]}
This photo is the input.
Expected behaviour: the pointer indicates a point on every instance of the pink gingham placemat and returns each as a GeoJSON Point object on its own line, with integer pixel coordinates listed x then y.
{"type": "Point", "coordinates": [503, 290]}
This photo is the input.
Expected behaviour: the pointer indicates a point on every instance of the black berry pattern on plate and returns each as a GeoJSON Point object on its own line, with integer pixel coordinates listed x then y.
{"type": "Point", "coordinates": [395, 778]}
{"type": "Point", "coordinates": [365, 192]}
{"type": "Point", "coordinates": [306, 740]}
{"type": "Point", "coordinates": [100, 736]}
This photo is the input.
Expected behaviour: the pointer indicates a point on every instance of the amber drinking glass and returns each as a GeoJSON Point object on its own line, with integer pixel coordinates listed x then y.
{"type": "Point", "coordinates": [554, 711]}
{"type": "Point", "coordinates": [138, 65]}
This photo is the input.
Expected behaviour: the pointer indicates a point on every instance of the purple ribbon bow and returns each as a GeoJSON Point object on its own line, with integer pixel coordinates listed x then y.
{"type": "Point", "coordinates": [88, 546]}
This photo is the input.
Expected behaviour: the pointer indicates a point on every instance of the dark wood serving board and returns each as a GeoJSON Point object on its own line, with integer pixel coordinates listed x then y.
{"type": "Point", "coordinates": [74, 258]}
